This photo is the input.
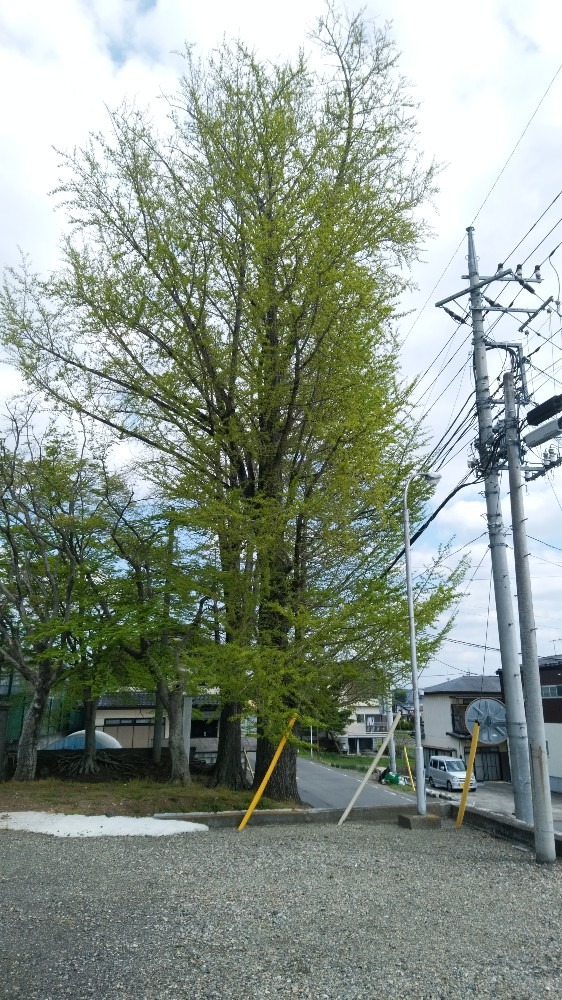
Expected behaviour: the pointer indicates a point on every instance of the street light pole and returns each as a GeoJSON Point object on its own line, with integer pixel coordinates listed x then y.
{"type": "Point", "coordinates": [420, 776]}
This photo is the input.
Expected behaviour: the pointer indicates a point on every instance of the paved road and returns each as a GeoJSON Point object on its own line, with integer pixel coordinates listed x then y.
{"type": "Point", "coordinates": [498, 796]}
{"type": "Point", "coordinates": [332, 787]}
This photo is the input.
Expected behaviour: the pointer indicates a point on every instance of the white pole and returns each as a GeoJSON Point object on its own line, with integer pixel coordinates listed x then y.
{"type": "Point", "coordinates": [380, 752]}
{"type": "Point", "coordinates": [392, 742]}
{"type": "Point", "coordinates": [545, 846]}
{"type": "Point", "coordinates": [420, 772]}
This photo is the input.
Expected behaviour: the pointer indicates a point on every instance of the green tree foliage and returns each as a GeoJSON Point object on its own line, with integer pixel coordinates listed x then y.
{"type": "Point", "coordinates": [227, 298]}
{"type": "Point", "coordinates": [159, 614]}
{"type": "Point", "coordinates": [51, 543]}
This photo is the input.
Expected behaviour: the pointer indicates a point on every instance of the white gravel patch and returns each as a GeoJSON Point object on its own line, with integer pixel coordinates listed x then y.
{"type": "Point", "coordinates": [61, 825]}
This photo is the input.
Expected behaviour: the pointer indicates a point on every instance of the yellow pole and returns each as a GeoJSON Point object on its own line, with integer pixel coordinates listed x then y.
{"type": "Point", "coordinates": [268, 774]}
{"type": "Point", "coordinates": [469, 766]}
{"type": "Point", "coordinates": [409, 768]}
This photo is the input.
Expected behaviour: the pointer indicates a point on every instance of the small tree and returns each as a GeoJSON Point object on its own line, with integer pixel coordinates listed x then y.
{"type": "Point", "coordinates": [49, 529]}
{"type": "Point", "coordinates": [159, 618]}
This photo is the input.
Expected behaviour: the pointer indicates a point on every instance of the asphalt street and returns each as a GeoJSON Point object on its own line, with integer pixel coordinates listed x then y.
{"type": "Point", "coordinates": [324, 787]}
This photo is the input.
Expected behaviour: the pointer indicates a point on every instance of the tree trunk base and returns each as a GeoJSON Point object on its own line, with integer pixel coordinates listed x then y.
{"type": "Point", "coordinates": [180, 780]}
{"type": "Point", "coordinates": [228, 771]}
{"type": "Point", "coordinates": [88, 765]}
{"type": "Point", "coordinates": [282, 785]}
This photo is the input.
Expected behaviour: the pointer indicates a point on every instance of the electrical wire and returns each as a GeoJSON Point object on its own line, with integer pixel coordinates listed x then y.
{"type": "Point", "coordinates": [535, 224]}
{"type": "Point", "coordinates": [486, 634]}
{"type": "Point", "coordinates": [518, 143]}
{"type": "Point", "coordinates": [455, 427]}
{"type": "Point", "coordinates": [475, 645]}
{"type": "Point", "coordinates": [494, 185]}
{"type": "Point", "coordinates": [537, 369]}
{"type": "Point", "coordinates": [555, 493]}
{"type": "Point", "coordinates": [459, 670]}
{"type": "Point", "coordinates": [445, 365]}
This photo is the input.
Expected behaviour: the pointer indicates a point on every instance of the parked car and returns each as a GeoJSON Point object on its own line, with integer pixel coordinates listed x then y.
{"type": "Point", "coordinates": [449, 773]}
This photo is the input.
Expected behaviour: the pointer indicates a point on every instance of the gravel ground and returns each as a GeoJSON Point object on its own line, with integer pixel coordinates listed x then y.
{"type": "Point", "coordinates": [316, 912]}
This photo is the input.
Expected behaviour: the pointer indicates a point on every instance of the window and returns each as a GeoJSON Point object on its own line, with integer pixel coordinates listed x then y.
{"type": "Point", "coordinates": [360, 718]}
{"type": "Point", "coordinates": [551, 690]}
{"type": "Point", "coordinates": [457, 718]}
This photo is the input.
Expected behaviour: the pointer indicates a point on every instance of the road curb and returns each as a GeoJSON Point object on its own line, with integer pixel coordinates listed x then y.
{"type": "Point", "coordinates": [279, 817]}
{"type": "Point", "coordinates": [496, 824]}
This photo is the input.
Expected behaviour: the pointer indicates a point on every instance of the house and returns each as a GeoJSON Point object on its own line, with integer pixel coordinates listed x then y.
{"type": "Point", "coordinates": [445, 732]}
{"type": "Point", "coordinates": [550, 668]}
{"type": "Point", "coordinates": [366, 728]}
{"type": "Point", "coordinates": [129, 717]}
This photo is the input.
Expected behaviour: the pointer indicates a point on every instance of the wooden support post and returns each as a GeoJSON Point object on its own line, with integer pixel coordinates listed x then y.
{"type": "Point", "coordinates": [469, 766]}
{"type": "Point", "coordinates": [268, 774]}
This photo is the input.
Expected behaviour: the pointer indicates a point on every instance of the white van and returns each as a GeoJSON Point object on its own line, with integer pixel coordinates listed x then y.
{"type": "Point", "coordinates": [449, 773]}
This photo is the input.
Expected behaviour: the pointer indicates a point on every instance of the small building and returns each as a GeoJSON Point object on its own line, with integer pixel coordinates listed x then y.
{"type": "Point", "coordinates": [128, 716]}
{"type": "Point", "coordinates": [366, 728]}
{"type": "Point", "coordinates": [445, 732]}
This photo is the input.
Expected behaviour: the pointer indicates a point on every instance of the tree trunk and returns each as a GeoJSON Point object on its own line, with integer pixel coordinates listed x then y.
{"type": "Point", "coordinates": [88, 764]}
{"type": "Point", "coordinates": [282, 784]}
{"type": "Point", "coordinates": [27, 746]}
{"type": "Point", "coordinates": [173, 703]}
{"type": "Point", "coordinates": [158, 730]}
{"type": "Point", "coordinates": [228, 770]}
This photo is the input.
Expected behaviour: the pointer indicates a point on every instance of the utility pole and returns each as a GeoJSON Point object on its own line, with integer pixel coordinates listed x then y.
{"type": "Point", "coordinates": [545, 847]}
{"type": "Point", "coordinates": [515, 710]}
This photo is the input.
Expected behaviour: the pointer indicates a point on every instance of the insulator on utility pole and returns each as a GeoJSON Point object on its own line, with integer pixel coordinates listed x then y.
{"type": "Point", "coordinates": [545, 847]}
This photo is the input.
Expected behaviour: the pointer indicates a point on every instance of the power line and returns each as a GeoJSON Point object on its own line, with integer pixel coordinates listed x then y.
{"type": "Point", "coordinates": [476, 645]}
{"type": "Point", "coordinates": [535, 224]}
{"type": "Point", "coordinates": [494, 185]}
{"type": "Point", "coordinates": [548, 544]}
{"type": "Point", "coordinates": [518, 143]}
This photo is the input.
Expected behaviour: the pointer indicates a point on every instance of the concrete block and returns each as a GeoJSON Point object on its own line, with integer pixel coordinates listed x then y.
{"type": "Point", "coordinates": [414, 822]}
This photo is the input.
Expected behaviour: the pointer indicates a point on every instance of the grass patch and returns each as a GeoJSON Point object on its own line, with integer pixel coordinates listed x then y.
{"type": "Point", "coordinates": [137, 797]}
{"type": "Point", "coordinates": [350, 763]}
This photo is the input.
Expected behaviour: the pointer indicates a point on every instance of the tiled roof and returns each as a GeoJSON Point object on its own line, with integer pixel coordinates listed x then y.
{"type": "Point", "coordinates": [128, 699]}
{"type": "Point", "coordinates": [485, 684]}
{"type": "Point", "coordinates": [146, 699]}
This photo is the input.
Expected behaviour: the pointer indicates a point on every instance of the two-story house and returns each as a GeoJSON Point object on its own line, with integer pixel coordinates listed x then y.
{"type": "Point", "coordinates": [366, 728]}
{"type": "Point", "coordinates": [445, 732]}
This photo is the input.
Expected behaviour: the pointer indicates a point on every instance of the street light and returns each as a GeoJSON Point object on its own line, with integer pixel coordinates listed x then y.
{"type": "Point", "coordinates": [430, 477]}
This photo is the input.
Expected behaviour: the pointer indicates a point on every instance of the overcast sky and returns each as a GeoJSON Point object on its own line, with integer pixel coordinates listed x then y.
{"type": "Point", "coordinates": [479, 74]}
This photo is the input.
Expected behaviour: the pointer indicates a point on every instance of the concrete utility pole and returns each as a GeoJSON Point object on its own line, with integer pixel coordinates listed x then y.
{"type": "Point", "coordinates": [516, 725]}
{"type": "Point", "coordinates": [545, 847]}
